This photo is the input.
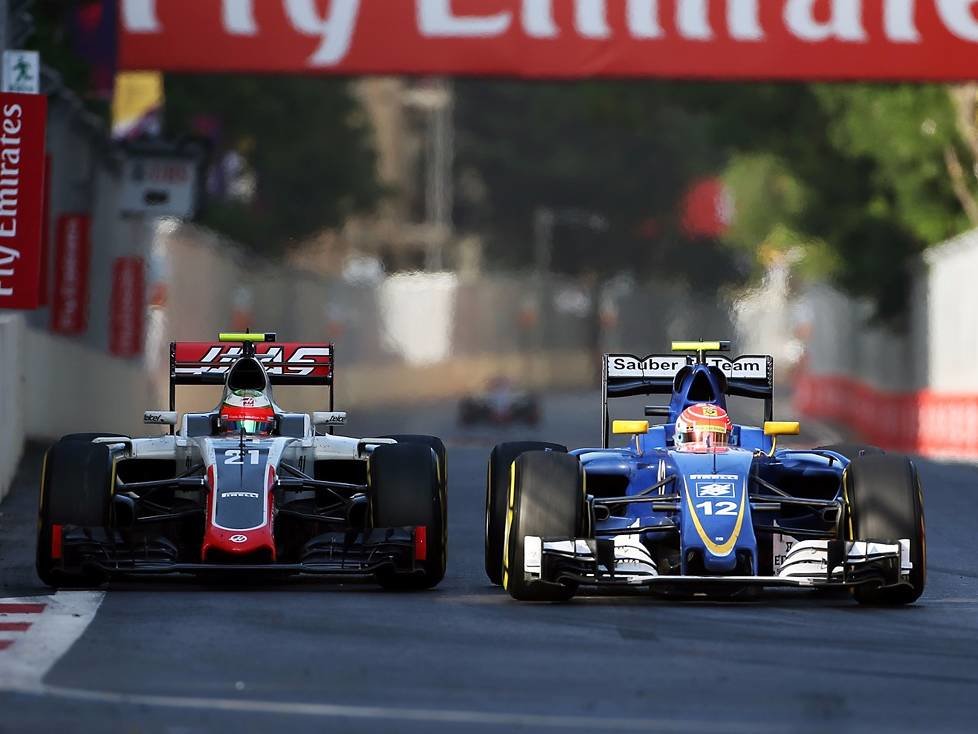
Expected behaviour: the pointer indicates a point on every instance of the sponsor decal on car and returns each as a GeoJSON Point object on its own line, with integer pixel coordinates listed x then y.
{"type": "Point", "coordinates": [741, 368]}
{"type": "Point", "coordinates": [253, 495]}
{"type": "Point", "coordinates": [663, 366]}
{"type": "Point", "coordinates": [287, 359]}
{"type": "Point", "coordinates": [713, 490]}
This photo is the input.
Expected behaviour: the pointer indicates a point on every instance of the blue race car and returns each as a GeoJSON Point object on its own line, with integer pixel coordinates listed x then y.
{"type": "Point", "coordinates": [698, 505]}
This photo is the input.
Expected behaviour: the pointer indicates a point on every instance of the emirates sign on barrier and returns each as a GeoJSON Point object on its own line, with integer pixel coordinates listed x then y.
{"type": "Point", "coordinates": [22, 124]}
{"type": "Point", "coordinates": [732, 39]}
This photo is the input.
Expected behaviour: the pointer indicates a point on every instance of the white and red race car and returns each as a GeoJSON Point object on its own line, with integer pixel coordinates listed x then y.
{"type": "Point", "coordinates": [293, 499]}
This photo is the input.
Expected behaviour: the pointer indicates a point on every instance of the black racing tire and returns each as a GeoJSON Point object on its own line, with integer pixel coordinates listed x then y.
{"type": "Point", "coordinates": [405, 491]}
{"type": "Point", "coordinates": [852, 450]}
{"type": "Point", "coordinates": [885, 503]}
{"type": "Point", "coordinates": [432, 442]}
{"type": "Point", "coordinates": [497, 492]}
{"type": "Point", "coordinates": [546, 499]}
{"type": "Point", "coordinates": [76, 489]}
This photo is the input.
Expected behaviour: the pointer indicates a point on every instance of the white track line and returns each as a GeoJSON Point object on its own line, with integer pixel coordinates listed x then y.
{"type": "Point", "coordinates": [65, 618]}
{"type": "Point", "coordinates": [435, 716]}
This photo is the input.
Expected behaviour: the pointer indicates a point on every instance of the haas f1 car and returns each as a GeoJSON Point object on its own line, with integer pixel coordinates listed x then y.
{"type": "Point", "coordinates": [246, 487]}
{"type": "Point", "coordinates": [699, 506]}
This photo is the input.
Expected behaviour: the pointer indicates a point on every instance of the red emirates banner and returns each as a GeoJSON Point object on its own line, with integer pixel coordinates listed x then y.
{"type": "Point", "coordinates": [713, 39]}
{"type": "Point", "coordinates": [23, 118]}
{"type": "Point", "coordinates": [128, 306]}
{"type": "Point", "coordinates": [44, 277]}
{"type": "Point", "coordinates": [69, 307]}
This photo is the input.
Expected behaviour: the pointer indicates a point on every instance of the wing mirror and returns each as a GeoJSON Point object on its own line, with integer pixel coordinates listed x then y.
{"type": "Point", "coordinates": [160, 418]}
{"type": "Point", "coordinates": [628, 427]}
{"type": "Point", "coordinates": [782, 428]}
{"type": "Point", "coordinates": [657, 411]}
{"type": "Point", "coordinates": [328, 418]}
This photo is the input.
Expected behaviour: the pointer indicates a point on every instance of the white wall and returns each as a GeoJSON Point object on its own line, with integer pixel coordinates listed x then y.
{"type": "Point", "coordinates": [11, 397]}
{"type": "Point", "coordinates": [952, 317]}
{"type": "Point", "coordinates": [70, 387]}
{"type": "Point", "coordinates": [935, 349]}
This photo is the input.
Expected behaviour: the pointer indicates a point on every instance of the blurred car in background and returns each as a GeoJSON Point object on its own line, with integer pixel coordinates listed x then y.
{"type": "Point", "coordinates": [501, 404]}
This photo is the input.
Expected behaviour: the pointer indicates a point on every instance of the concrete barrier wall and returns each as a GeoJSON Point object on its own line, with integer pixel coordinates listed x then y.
{"type": "Point", "coordinates": [75, 388]}
{"type": "Point", "coordinates": [12, 429]}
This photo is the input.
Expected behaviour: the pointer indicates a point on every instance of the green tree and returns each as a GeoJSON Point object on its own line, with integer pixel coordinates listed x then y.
{"type": "Point", "coordinates": [305, 139]}
{"type": "Point", "coordinates": [624, 150]}
{"type": "Point", "coordinates": [869, 168]}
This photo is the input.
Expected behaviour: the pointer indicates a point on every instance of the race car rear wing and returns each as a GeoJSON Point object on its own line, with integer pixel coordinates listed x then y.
{"type": "Point", "coordinates": [286, 363]}
{"type": "Point", "coordinates": [626, 375]}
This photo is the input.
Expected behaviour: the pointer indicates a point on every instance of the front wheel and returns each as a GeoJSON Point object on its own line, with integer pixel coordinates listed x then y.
{"type": "Point", "coordinates": [405, 491]}
{"type": "Point", "coordinates": [76, 490]}
{"type": "Point", "coordinates": [432, 442]}
{"type": "Point", "coordinates": [546, 500]}
{"type": "Point", "coordinates": [497, 491]}
{"type": "Point", "coordinates": [886, 504]}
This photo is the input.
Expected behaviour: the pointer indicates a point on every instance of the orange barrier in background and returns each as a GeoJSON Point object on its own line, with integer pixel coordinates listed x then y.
{"type": "Point", "coordinates": [921, 421]}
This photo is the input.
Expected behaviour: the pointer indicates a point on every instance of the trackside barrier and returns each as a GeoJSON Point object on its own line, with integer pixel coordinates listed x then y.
{"type": "Point", "coordinates": [915, 390]}
{"type": "Point", "coordinates": [920, 422]}
{"type": "Point", "coordinates": [74, 388]}
{"type": "Point", "coordinates": [11, 397]}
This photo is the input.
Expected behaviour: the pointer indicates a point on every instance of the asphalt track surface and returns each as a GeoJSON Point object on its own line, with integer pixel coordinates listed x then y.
{"type": "Point", "coordinates": [181, 656]}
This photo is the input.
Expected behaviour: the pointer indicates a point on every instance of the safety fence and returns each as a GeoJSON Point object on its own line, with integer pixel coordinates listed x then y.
{"type": "Point", "coordinates": [914, 390]}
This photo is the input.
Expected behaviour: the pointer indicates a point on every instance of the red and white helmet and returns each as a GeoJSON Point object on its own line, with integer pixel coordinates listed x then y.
{"type": "Point", "coordinates": [703, 427]}
{"type": "Point", "coordinates": [249, 411]}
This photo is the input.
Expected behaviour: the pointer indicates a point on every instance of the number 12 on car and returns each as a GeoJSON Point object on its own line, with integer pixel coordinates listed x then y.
{"type": "Point", "coordinates": [718, 508]}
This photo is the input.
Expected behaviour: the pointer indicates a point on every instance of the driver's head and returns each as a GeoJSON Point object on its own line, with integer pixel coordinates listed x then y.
{"type": "Point", "coordinates": [248, 411]}
{"type": "Point", "coordinates": [703, 427]}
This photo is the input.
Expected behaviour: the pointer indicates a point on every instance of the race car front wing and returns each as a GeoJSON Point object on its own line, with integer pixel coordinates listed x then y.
{"type": "Point", "coordinates": [338, 554]}
{"type": "Point", "coordinates": [624, 561]}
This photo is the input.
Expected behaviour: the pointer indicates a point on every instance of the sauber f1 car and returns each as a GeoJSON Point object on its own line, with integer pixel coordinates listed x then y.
{"type": "Point", "coordinates": [699, 506]}
{"type": "Point", "coordinates": [246, 487]}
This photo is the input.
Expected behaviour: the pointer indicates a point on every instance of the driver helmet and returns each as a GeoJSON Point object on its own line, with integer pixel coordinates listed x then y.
{"type": "Point", "coordinates": [703, 427]}
{"type": "Point", "coordinates": [249, 411]}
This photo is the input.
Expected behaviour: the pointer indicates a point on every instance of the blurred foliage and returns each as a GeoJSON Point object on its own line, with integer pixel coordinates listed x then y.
{"type": "Point", "coordinates": [870, 164]}
{"type": "Point", "coordinates": [305, 141]}
{"type": "Point", "coordinates": [869, 186]}
{"type": "Point", "coordinates": [52, 39]}
{"type": "Point", "coordinates": [618, 150]}
{"type": "Point", "coordinates": [850, 181]}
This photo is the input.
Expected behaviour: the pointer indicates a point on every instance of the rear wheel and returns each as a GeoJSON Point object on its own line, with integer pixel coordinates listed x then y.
{"type": "Point", "coordinates": [886, 503]}
{"type": "Point", "coordinates": [546, 500]}
{"type": "Point", "coordinates": [406, 491]}
{"type": "Point", "coordinates": [497, 492]}
{"type": "Point", "coordinates": [76, 489]}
